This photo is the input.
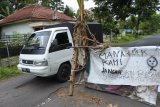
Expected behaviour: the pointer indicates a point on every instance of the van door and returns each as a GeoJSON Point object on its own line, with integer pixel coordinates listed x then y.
{"type": "Point", "coordinates": [59, 50]}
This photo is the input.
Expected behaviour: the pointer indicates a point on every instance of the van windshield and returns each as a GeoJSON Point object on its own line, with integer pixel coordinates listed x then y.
{"type": "Point", "coordinates": [36, 43]}
{"type": "Point", "coordinates": [38, 39]}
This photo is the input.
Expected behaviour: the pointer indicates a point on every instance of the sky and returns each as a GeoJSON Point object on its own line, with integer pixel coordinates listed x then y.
{"type": "Point", "coordinates": [74, 5]}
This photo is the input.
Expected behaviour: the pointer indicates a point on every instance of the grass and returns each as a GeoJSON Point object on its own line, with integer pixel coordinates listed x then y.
{"type": "Point", "coordinates": [6, 72]}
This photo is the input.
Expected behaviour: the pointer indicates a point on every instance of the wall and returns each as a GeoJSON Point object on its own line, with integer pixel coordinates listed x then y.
{"type": "Point", "coordinates": [42, 23]}
{"type": "Point", "coordinates": [25, 27]}
{"type": "Point", "coordinates": [22, 28]}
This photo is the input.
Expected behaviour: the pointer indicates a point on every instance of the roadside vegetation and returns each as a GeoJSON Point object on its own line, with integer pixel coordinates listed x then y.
{"type": "Point", "coordinates": [125, 39]}
{"type": "Point", "coordinates": [8, 67]}
{"type": "Point", "coordinates": [6, 72]}
{"type": "Point", "coordinates": [120, 40]}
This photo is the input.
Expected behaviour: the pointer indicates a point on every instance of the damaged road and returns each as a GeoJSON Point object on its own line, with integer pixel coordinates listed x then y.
{"type": "Point", "coordinates": [29, 91]}
{"type": "Point", "coordinates": [26, 90]}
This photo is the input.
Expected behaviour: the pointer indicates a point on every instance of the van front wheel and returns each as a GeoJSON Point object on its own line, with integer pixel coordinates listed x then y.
{"type": "Point", "coordinates": [63, 72]}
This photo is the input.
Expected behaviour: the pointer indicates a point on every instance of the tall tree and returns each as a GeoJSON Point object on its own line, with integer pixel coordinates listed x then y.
{"type": "Point", "coordinates": [6, 8]}
{"type": "Point", "coordinates": [56, 5]}
{"type": "Point", "coordinates": [151, 25]}
{"type": "Point", "coordinates": [104, 15]}
{"type": "Point", "coordinates": [144, 9]}
{"type": "Point", "coordinates": [109, 10]}
{"type": "Point", "coordinates": [69, 11]}
{"type": "Point", "coordinates": [119, 9]}
{"type": "Point", "coordinates": [53, 4]}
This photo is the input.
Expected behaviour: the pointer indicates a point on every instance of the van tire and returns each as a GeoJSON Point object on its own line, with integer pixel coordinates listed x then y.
{"type": "Point", "coordinates": [63, 72]}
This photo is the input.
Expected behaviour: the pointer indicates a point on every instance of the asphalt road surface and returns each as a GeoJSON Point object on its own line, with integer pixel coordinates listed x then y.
{"type": "Point", "coordinates": [30, 91]}
{"type": "Point", "coordinates": [148, 41]}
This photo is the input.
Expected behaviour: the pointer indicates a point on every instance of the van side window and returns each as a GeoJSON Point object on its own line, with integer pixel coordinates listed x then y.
{"type": "Point", "coordinates": [62, 38]}
{"type": "Point", "coordinates": [62, 42]}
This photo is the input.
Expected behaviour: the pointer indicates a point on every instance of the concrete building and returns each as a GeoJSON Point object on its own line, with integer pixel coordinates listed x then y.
{"type": "Point", "coordinates": [31, 18]}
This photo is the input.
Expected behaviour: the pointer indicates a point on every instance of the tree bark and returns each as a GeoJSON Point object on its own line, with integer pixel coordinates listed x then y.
{"type": "Point", "coordinates": [73, 67]}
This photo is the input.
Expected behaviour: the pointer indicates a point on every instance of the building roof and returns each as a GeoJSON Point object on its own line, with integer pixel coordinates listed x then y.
{"type": "Point", "coordinates": [34, 12]}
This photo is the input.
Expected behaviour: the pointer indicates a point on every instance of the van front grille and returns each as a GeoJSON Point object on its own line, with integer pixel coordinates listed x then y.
{"type": "Point", "coordinates": [27, 61]}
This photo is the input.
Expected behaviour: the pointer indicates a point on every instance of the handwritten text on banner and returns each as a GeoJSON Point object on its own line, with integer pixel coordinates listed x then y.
{"type": "Point", "coordinates": [125, 66]}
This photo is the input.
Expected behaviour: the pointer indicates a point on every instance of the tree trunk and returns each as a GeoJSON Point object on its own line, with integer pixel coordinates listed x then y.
{"type": "Point", "coordinates": [76, 52]}
{"type": "Point", "coordinates": [137, 27]}
{"type": "Point", "coordinates": [73, 67]}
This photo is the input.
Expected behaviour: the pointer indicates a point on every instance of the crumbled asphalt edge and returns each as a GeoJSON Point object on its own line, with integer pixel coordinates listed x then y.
{"type": "Point", "coordinates": [48, 98]}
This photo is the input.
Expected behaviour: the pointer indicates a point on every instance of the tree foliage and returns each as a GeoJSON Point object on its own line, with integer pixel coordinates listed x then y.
{"type": "Point", "coordinates": [109, 11]}
{"type": "Point", "coordinates": [151, 25]}
{"type": "Point", "coordinates": [144, 9]}
{"type": "Point", "coordinates": [55, 4]}
{"type": "Point", "coordinates": [7, 7]}
{"type": "Point", "coordinates": [119, 9]}
{"type": "Point", "coordinates": [69, 11]}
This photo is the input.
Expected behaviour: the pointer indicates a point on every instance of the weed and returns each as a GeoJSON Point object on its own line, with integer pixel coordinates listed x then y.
{"type": "Point", "coordinates": [6, 72]}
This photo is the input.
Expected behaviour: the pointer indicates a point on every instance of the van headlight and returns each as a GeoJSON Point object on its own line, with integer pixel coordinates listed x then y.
{"type": "Point", "coordinates": [41, 63]}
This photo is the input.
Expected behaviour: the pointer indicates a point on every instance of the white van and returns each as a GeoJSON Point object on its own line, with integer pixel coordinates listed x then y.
{"type": "Point", "coordinates": [47, 52]}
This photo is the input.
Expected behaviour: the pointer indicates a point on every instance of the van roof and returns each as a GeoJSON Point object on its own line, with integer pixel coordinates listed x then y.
{"type": "Point", "coordinates": [69, 25]}
{"type": "Point", "coordinates": [95, 28]}
{"type": "Point", "coordinates": [52, 29]}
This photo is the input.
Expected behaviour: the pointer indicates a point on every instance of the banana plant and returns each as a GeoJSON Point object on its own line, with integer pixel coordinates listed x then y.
{"type": "Point", "coordinates": [5, 11]}
{"type": "Point", "coordinates": [79, 4]}
{"type": "Point", "coordinates": [79, 31]}
{"type": "Point", "coordinates": [81, 8]}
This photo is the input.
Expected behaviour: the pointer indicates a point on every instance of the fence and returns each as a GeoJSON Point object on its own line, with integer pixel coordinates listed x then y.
{"type": "Point", "coordinates": [10, 46]}
{"type": "Point", "coordinates": [13, 40]}
{"type": "Point", "coordinates": [10, 51]}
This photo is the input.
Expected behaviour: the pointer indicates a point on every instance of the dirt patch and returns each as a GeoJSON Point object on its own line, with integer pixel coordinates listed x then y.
{"type": "Point", "coordinates": [80, 98]}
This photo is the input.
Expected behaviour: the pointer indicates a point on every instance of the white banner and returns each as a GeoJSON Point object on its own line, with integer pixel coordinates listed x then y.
{"type": "Point", "coordinates": [125, 66]}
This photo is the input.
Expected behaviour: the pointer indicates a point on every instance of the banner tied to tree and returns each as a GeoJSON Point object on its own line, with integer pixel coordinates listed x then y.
{"type": "Point", "coordinates": [128, 71]}
{"type": "Point", "coordinates": [132, 72]}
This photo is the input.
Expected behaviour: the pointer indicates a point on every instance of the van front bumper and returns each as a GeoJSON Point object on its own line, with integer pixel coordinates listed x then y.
{"type": "Point", "coordinates": [42, 71]}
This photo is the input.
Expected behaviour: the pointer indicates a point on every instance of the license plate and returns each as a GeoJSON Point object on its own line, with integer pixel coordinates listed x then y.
{"type": "Point", "coordinates": [25, 70]}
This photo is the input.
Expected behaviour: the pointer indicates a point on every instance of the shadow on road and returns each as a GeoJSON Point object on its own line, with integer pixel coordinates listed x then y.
{"type": "Point", "coordinates": [39, 82]}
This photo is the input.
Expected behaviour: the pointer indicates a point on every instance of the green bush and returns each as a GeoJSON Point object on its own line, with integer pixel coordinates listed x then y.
{"type": "Point", "coordinates": [18, 39]}
{"type": "Point", "coordinates": [6, 72]}
{"type": "Point", "coordinates": [127, 38]}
